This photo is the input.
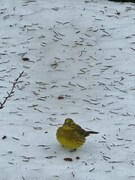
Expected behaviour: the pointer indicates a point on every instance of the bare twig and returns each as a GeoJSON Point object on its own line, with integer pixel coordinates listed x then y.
{"type": "Point", "coordinates": [11, 93]}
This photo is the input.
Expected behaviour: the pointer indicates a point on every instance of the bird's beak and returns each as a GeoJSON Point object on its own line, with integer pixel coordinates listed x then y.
{"type": "Point", "coordinates": [65, 124]}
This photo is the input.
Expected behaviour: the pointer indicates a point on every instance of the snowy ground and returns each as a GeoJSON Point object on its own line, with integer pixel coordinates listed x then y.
{"type": "Point", "coordinates": [78, 59]}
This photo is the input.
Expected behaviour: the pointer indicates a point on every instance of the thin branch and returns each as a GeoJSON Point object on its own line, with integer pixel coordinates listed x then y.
{"type": "Point", "coordinates": [11, 93]}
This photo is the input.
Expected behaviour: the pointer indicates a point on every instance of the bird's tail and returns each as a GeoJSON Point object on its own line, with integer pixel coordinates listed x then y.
{"type": "Point", "coordinates": [87, 133]}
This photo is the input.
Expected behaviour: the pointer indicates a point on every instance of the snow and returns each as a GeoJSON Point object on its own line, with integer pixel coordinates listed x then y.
{"type": "Point", "coordinates": [82, 51]}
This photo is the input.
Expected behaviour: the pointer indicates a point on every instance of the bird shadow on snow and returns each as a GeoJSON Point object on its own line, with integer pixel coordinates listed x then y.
{"type": "Point", "coordinates": [86, 152]}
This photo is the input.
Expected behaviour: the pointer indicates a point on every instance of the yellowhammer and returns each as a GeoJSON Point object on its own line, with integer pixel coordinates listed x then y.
{"type": "Point", "coordinates": [71, 135]}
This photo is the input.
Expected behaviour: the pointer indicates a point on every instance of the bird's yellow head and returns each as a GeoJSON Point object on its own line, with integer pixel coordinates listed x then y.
{"type": "Point", "coordinates": [69, 124]}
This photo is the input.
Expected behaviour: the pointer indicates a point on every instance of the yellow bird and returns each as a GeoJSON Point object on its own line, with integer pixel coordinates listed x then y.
{"type": "Point", "coordinates": [71, 135]}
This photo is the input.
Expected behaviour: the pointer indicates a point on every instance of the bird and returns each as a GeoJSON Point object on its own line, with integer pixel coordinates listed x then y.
{"type": "Point", "coordinates": [71, 136]}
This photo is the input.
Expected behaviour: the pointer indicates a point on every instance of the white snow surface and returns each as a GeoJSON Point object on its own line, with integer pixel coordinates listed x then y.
{"type": "Point", "coordinates": [81, 64]}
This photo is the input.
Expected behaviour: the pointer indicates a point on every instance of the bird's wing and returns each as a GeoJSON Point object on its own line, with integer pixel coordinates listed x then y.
{"type": "Point", "coordinates": [78, 138]}
{"type": "Point", "coordinates": [80, 130]}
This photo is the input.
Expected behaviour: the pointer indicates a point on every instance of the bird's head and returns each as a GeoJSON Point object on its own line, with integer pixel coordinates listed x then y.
{"type": "Point", "coordinates": [69, 124]}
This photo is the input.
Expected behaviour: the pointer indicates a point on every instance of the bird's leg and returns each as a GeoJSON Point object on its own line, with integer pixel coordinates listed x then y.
{"type": "Point", "coordinates": [72, 150]}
